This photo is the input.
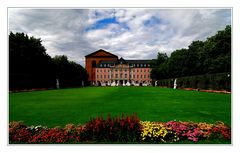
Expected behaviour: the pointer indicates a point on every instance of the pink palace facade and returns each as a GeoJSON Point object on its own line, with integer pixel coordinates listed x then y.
{"type": "Point", "coordinates": [123, 72]}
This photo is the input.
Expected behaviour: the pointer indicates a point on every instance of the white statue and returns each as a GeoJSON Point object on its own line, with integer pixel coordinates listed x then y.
{"type": "Point", "coordinates": [175, 84]}
{"type": "Point", "coordinates": [113, 84]}
{"type": "Point", "coordinates": [57, 84]}
{"type": "Point", "coordinates": [155, 83]}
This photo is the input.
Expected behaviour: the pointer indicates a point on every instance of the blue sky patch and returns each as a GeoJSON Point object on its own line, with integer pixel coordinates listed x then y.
{"type": "Point", "coordinates": [101, 24]}
{"type": "Point", "coordinates": [152, 21]}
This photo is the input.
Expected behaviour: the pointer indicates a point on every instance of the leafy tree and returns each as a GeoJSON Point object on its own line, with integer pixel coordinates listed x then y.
{"type": "Point", "coordinates": [68, 72]}
{"type": "Point", "coordinates": [29, 64]}
{"type": "Point", "coordinates": [218, 52]}
{"type": "Point", "coordinates": [159, 70]}
{"type": "Point", "coordinates": [201, 57]}
{"type": "Point", "coordinates": [31, 67]}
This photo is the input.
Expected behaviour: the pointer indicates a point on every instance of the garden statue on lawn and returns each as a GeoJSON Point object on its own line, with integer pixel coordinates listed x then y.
{"type": "Point", "coordinates": [175, 84]}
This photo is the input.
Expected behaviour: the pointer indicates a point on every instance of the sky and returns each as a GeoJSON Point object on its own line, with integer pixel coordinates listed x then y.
{"type": "Point", "coordinates": [131, 33]}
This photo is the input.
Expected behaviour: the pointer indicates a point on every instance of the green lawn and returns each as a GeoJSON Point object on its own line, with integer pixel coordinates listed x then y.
{"type": "Point", "coordinates": [60, 107]}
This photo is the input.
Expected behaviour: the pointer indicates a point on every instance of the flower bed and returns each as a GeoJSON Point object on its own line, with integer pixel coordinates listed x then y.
{"type": "Point", "coordinates": [124, 129]}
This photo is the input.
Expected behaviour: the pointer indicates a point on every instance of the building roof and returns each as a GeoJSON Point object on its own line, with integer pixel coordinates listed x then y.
{"type": "Point", "coordinates": [134, 63]}
{"type": "Point", "coordinates": [101, 50]}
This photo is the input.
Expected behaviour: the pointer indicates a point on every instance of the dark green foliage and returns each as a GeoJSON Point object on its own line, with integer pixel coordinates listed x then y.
{"type": "Point", "coordinates": [201, 57]}
{"type": "Point", "coordinates": [69, 73]}
{"type": "Point", "coordinates": [217, 81]}
{"type": "Point", "coordinates": [29, 65]}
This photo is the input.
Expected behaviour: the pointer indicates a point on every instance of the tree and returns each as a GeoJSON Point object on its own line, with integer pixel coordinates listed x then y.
{"type": "Point", "coordinates": [218, 52]}
{"type": "Point", "coordinates": [160, 67]}
{"type": "Point", "coordinates": [201, 57]}
{"type": "Point", "coordinates": [31, 67]}
{"type": "Point", "coordinates": [29, 64]}
{"type": "Point", "coordinates": [68, 72]}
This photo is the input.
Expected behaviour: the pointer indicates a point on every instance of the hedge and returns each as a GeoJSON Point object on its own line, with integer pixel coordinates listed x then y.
{"type": "Point", "coordinates": [219, 81]}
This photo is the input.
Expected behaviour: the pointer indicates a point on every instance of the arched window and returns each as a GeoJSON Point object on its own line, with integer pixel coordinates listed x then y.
{"type": "Point", "coordinates": [93, 63]}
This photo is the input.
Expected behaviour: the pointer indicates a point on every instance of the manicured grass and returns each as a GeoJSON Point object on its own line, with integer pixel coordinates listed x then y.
{"type": "Point", "coordinates": [60, 107]}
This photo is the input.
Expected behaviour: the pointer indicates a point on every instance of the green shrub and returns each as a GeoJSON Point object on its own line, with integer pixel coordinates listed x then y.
{"type": "Point", "coordinates": [219, 81]}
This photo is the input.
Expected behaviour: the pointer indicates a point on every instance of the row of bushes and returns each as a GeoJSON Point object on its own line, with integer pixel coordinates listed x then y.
{"type": "Point", "coordinates": [220, 81]}
{"type": "Point", "coordinates": [125, 129]}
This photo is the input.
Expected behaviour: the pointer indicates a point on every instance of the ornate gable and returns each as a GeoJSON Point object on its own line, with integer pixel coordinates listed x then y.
{"type": "Point", "coordinates": [101, 53]}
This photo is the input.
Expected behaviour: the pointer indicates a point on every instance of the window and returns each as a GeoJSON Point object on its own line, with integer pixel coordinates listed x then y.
{"type": "Point", "coordinates": [144, 76]}
{"type": "Point", "coordinates": [141, 65]}
{"type": "Point", "coordinates": [121, 75]}
{"type": "Point", "coordinates": [101, 70]}
{"type": "Point", "coordinates": [125, 70]}
{"type": "Point", "coordinates": [148, 65]}
{"type": "Point", "coordinates": [101, 76]}
{"type": "Point", "coordinates": [97, 70]}
{"type": "Point", "coordinates": [137, 76]}
{"type": "Point", "coordinates": [104, 76]}
{"type": "Point", "coordinates": [104, 70]}
{"type": "Point", "coordinates": [144, 65]}
{"type": "Point", "coordinates": [144, 70]}
{"type": "Point", "coordinates": [116, 75]}
{"type": "Point", "coordinates": [137, 65]}
{"type": "Point", "coordinates": [97, 76]}
{"type": "Point", "coordinates": [125, 75]}
{"type": "Point", "coordinates": [100, 65]}
{"type": "Point", "coordinates": [141, 70]}
{"type": "Point", "coordinates": [93, 63]}
{"type": "Point", "coordinates": [104, 65]}
{"type": "Point", "coordinates": [133, 76]}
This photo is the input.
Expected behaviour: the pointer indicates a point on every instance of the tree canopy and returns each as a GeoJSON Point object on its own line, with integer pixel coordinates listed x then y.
{"type": "Point", "coordinates": [31, 67]}
{"type": "Point", "coordinates": [201, 57]}
{"type": "Point", "coordinates": [68, 72]}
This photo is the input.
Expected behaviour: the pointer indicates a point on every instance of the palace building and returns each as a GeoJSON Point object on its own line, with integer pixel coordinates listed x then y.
{"type": "Point", "coordinates": [105, 69]}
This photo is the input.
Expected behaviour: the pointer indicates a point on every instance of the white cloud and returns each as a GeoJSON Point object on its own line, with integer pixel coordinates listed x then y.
{"type": "Point", "coordinates": [66, 31]}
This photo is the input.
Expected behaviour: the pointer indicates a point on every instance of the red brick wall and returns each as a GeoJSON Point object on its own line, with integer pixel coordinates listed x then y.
{"type": "Point", "coordinates": [99, 56]}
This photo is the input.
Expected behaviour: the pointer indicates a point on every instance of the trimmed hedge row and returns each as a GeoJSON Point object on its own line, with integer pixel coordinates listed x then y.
{"type": "Point", "coordinates": [125, 129]}
{"type": "Point", "coordinates": [219, 81]}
